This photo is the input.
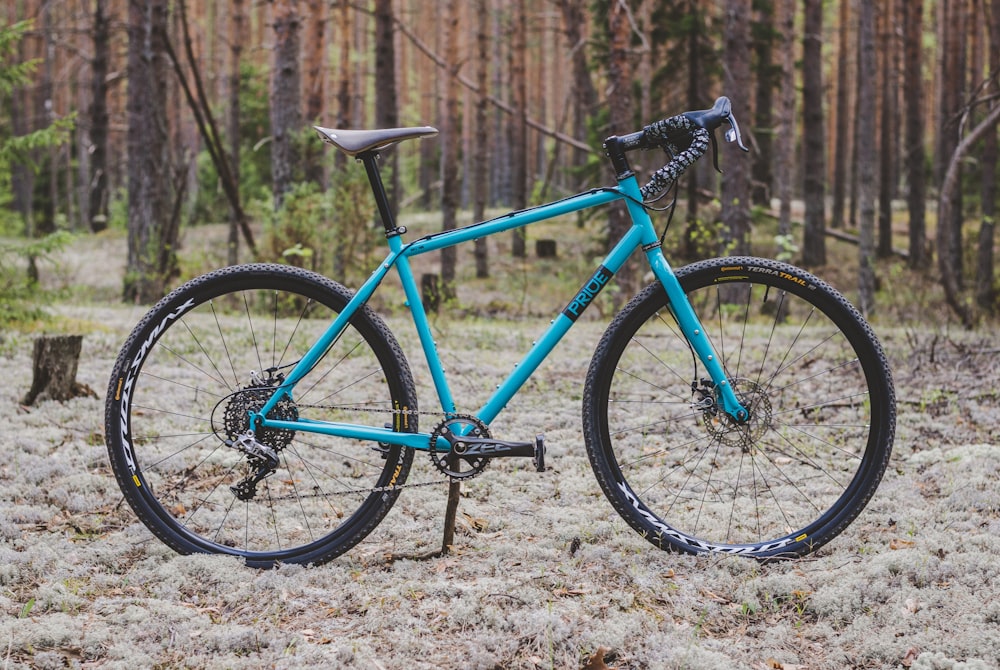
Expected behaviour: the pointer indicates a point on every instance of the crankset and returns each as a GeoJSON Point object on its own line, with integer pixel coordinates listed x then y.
{"type": "Point", "coordinates": [472, 447]}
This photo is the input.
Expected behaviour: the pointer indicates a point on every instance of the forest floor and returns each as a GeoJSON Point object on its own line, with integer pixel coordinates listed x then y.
{"type": "Point", "coordinates": [544, 574]}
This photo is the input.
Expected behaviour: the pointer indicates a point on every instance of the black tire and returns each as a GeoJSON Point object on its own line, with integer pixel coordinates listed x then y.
{"type": "Point", "coordinates": [180, 390]}
{"type": "Point", "coordinates": [804, 362]}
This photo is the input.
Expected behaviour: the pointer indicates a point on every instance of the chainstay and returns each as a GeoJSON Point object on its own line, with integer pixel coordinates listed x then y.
{"type": "Point", "coordinates": [376, 489]}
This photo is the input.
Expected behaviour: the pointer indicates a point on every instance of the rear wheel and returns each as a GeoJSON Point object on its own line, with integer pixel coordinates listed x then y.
{"type": "Point", "coordinates": [177, 426]}
{"type": "Point", "coordinates": [799, 357]}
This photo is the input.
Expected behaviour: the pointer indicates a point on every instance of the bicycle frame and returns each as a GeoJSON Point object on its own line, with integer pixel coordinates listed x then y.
{"type": "Point", "coordinates": [641, 234]}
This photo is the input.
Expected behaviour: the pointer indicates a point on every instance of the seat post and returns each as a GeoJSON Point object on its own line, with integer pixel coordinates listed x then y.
{"type": "Point", "coordinates": [370, 160]}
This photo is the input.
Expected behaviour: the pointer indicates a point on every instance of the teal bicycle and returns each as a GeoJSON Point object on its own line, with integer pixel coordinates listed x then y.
{"type": "Point", "coordinates": [738, 405]}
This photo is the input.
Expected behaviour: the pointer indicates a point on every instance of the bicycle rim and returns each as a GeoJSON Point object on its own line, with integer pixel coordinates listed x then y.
{"type": "Point", "coordinates": [214, 350]}
{"type": "Point", "coordinates": [800, 359]}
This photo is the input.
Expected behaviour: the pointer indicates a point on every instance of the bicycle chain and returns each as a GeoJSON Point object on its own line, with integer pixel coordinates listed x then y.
{"type": "Point", "coordinates": [374, 489]}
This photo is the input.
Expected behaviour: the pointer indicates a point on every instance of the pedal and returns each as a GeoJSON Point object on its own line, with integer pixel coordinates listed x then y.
{"type": "Point", "coordinates": [539, 457]}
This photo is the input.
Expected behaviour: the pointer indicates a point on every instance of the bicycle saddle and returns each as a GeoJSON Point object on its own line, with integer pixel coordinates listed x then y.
{"type": "Point", "coordinates": [354, 142]}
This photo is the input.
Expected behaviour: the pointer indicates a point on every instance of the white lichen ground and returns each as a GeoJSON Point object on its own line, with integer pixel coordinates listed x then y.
{"type": "Point", "coordinates": [914, 582]}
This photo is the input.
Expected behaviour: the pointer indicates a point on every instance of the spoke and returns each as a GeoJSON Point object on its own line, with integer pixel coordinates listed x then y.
{"type": "Point", "coordinates": [225, 347]}
{"type": "Point", "coordinates": [208, 357]}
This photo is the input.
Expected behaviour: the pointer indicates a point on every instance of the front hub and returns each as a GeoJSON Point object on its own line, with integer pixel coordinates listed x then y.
{"type": "Point", "coordinates": [726, 429]}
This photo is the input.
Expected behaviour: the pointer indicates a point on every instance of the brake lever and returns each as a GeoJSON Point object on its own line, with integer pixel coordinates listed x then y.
{"type": "Point", "coordinates": [733, 134]}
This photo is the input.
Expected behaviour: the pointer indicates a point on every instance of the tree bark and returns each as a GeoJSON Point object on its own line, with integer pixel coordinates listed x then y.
{"type": "Point", "coordinates": [449, 140]}
{"type": "Point", "coordinates": [481, 145]}
{"type": "Point", "coordinates": [518, 135]}
{"type": "Point", "coordinates": [97, 204]}
{"type": "Point", "coordinates": [985, 272]}
{"type": "Point", "coordinates": [952, 47]}
{"type": "Point", "coordinates": [237, 35]}
{"type": "Point", "coordinates": [54, 364]}
{"type": "Point", "coordinates": [842, 128]}
{"type": "Point", "coordinates": [814, 162]}
{"type": "Point", "coordinates": [914, 155]}
{"type": "Point", "coordinates": [150, 205]}
{"type": "Point", "coordinates": [314, 62]}
{"type": "Point", "coordinates": [948, 202]}
{"type": "Point", "coordinates": [763, 36]}
{"type": "Point", "coordinates": [785, 149]}
{"type": "Point", "coordinates": [584, 93]}
{"type": "Point", "coordinates": [887, 151]}
{"type": "Point", "coordinates": [620, 109]}
{"type": "Point", "coordinates": [286, 118]}
{"type": "Point", "coordinates": [865, 142]}
{"type": "Point", "coordinates": [386, 104]}
{"type": "Point", "coordinates": [736, 178]}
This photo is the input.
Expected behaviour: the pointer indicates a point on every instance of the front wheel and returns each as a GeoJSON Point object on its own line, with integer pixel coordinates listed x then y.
{"type": "Point", "coordinates": [798, 356]}
{"type": "Point", "coordinates": [178, 430]}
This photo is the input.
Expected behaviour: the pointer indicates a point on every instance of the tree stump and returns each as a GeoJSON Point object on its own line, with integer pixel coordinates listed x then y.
{"type": "Point", "coordinates": [545, 248]}
{"type": "Point", "coordinates": [53, 369]}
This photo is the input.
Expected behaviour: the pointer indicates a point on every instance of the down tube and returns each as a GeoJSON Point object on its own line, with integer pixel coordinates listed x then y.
{"type": "Point", "coordinates": [562, 323]}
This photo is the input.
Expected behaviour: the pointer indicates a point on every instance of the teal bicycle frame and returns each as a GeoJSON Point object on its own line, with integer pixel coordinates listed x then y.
{"type": "Point", "coordinates": [641, 234]}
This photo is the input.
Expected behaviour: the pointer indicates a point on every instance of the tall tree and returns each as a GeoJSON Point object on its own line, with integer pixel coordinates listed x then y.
{"type": "Point", "coordinates": [814, 161]}
{"type": "Point", "coordinates": [519, 125]}
{"type": "Point", "coordinates": [985, 272]}
{"type": "Point", "coordinates": [887, 132]}
{"type": "Point", "coordinates": [481, 145]}
{"type": "Point", "coordinates": [764, 35]}
{"type": "Point", "coordinates": [237, 35]}
{"type": "Point", "coordinates": [914, 155]}
{"type": "Point", "coordinates": [736, 78]}
{"type": "Point", "coordinates": [97, 206]}
{"type": "Point", "coordinates": [314, 69]}
{"type": "Point", "coordinates": [620, 111]}
{"type": "Point", "coordinates": [952, 41]}
{"type": "Point", "coordinates": [286, 117]}
{"type": "Point", "coordinates": [842, 128]}
{"type": "Point", "coordinates": [785, 144]}
{"type": "Point", "coordinates": [449, 140]}
{"type": "Point", "coordinates": [386, 105]}
{"type": "Point", "coordinates": [865, 142]}
{"type": "Point", "coordinates": [152, 234]}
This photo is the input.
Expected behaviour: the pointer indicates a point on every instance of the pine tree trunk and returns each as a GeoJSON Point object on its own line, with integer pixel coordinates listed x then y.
{"type": "Point", "coordinates": [763, 159]}
{"type": "Point", "coordinates": [952, 46]}
{"type": "Point", "coordinates": [519, 126]}
{"type": "Point", "coordinates": [736, 178]}
{"type": "Point", "coordinates": [481, 145]}
{"type": "Point", "coordinates": [620, 109]}
{"type": "Point", "coordinates": [286, 119]}
{"type": "Point", "coordinates": [843, 129]}
{"type": "Point", "coordinates": [814, 162]}
{"type": "Point", "coordinates": [97, 204]}
{"type": "Point", "coordinates": [914, 155]}
{"type": "Point", "coordinates": [887, 152]}
{"type": "Point", "coordinates": [785, 149]}
{"type": "Point", "coordinates": [150, 206]}
{"type": "Point", "coordinates": [386, 106]}
{"type": "Point", "coordinates": [237, 36]}
{"type": "Point", "coordinates": [449, 140]}
{"type": "Point", "coordinates": [314, 65]}
{"type": "Point", "coordinates": [865, 141]}
{"type": "Point", "coordinates": [985, 271]}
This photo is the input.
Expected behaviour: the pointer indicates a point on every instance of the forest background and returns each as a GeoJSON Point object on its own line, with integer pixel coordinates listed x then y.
{"type": "Point", "coordinates": [145, 141]}
{"type": "Point", "coordinates": [874, 119]}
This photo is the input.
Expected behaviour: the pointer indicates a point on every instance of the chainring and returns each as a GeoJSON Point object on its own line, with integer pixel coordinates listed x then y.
{"type": "Point", "coordinates": [451, 462]}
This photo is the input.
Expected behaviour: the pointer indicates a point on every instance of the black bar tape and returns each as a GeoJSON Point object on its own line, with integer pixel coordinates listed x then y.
{"type": "Point", "coordinates": [664, 130]}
